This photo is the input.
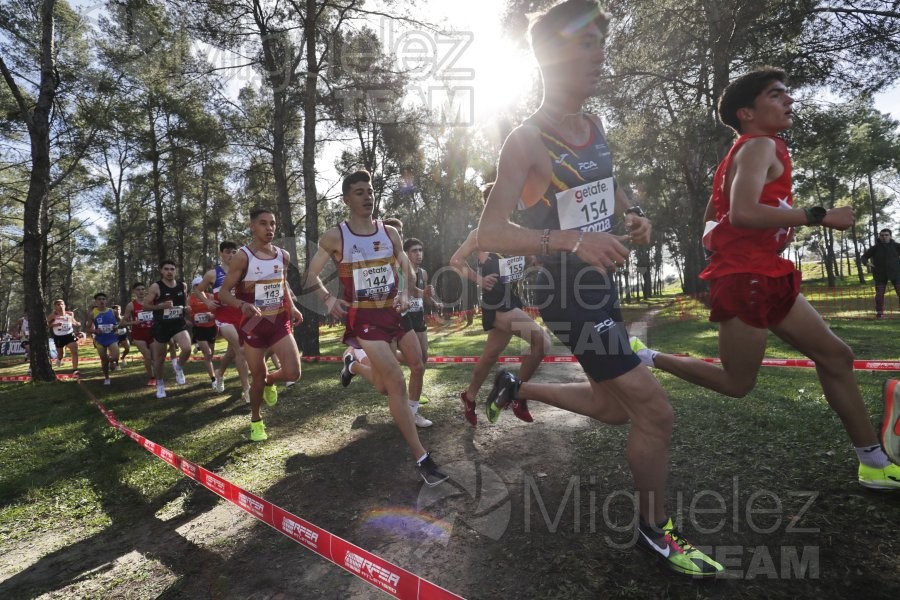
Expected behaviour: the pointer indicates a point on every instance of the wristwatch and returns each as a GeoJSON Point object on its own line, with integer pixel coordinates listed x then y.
{"type": "Point", "coordinates": [635, 210]}
{"type": "Point", "coordinates": [815, 215]}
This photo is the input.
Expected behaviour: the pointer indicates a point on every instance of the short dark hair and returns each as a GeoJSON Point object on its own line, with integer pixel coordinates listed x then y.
{"type": "Point", "coordinates": [137, 284]}
{"type": "Point", "coordinates": [360, 176]}
{"type": "Point", "coordinates": [259, 210]}
{"type": "Point", "coordinates": [743, 91]}
{"type": "Point", "coordinates": [228, 245]}
{"type": "Point", "coordinates": [563, 20]}
{"type": "Point", "coordinates": [412, 242]}
{"type": "Point", "coordinates": [168, 261]}
{"type": "Point", "coordinates": [886, 230]}
{"type": "Point", "coordinates": [99, 295]}
{"type": "Point", "coordinates": [486, 190]}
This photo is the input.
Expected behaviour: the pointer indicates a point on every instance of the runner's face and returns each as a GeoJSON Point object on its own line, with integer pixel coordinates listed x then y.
{"type": "Point", "coordinates": [361, 199]}
{"type": "Point", "coordinates": [263, 228]}
{"type": "Point", "coordinates": [226, 255]}
{"type": "Point", "coordinates": [416, 254]}
{"type": "Point", "coordinates": [581, 58]}
{"type": "Point", "coordinates": [139, 292]}
{"type": "Point", "coordinates": [771, 112]}
{"type": "Point", "coordinates": [100, 302]}
{"type": "Point", "coordinates": [60, 307]}
{"type": "Point", "coordinates": [167, 272]}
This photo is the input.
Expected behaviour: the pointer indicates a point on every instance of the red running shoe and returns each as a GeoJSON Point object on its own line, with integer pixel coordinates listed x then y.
{"type": "Point", "coordinates": [469, 409]}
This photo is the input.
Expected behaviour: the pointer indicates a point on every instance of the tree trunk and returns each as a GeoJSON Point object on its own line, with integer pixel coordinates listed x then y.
{"type": "Point", "coordinates": [155, 178]}
{"type": "Point", "coordinates": [857, 260]}
{"type": "Point", "coordinates": [309, 331]}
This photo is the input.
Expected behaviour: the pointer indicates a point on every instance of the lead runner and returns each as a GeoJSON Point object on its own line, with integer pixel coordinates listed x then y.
{"type": "Point", "coordinates": [557, 168]}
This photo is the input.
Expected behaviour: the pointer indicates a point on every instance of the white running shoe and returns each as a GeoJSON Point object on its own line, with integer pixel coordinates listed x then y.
{"type": "Point", "coordinates": [422, 421]}
{"type": "Point", "coordinates": [107, 381]}
{"type": "Point", "coordinates": [160, 390]}
{"type": "Point", "coordinates": [246, 395]}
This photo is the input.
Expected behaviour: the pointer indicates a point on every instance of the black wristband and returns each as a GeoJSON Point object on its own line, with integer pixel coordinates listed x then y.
{"type": "Point", "coordinates": [635, 210]}
{"type": "Point", "coordinates": [815, 215]}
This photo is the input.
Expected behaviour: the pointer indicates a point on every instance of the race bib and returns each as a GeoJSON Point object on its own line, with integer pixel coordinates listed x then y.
{"type": "Point", "coordinates": [203, 318]}
{"type": "Point", "coordinates": [268, 295]}
{"type": "Point", "coordinates": [370, 282]}
{"type": "Point", "coordinates": [588, 207]}
{"type": "Point", "coordinates": [512, 269]}
{"type": "Point", "coordinates": [122, 331]}
{"type": "Point", "coordinates": [145, 317]}
{"type": "Point", "coordinates": [416, 304]}
{"type": "Point", "coordinates": [173, 313]}
{"type": "Point", "coordinates": [63, 327]}
{"type": "Point", "coordinates": [106, 327]}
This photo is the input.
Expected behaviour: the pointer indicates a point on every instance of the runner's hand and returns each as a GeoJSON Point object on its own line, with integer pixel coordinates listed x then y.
{"type": "Point", "coordinates": [296, 316]}
{"type": "Point", "coordinates": [249, 310]}
{"type": "Point", "coordinates": [489, 282]}
{"type": "Point", "coordinates": [839, 218]}
{"type": "Point", "coordinates": [639, 229]}
{"type": "Point", "coordinates": [603, 250]}
{"type": "Point", "coordinates": [401, 302]}
{"type": "Point", "coordinates": [211, 304]}
{"type": "Point", "coordinates": [336, 307]}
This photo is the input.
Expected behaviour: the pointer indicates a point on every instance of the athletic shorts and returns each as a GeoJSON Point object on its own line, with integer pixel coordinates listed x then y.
{"type": "Point", "coordinates": [489, 314]}
{"type": "Point", "coordinates": [123, 338]}
{"type": "Point", "coordinates": [229, 315]}
{"type": "Point", "coordinates": [142, 334]}
{"type": "Point", "coordinates": [757, 300]}
{"type": "Point", "coordinates": [583, 313]}
{"type": "Point", "coordinates": [163, 331]}
{"type": "Point", "coordinates": [265, 332]}
{"type": "Point", "coordinates": [414, 321]}
{"type": "Point", "coordinates": [205, 334]}
{"type": "Point", "coordinates": [106, 339]}
{"type": "Point", "coordinates": [61, 341]}
{"type": "Point", "coordinates": [373, 324]}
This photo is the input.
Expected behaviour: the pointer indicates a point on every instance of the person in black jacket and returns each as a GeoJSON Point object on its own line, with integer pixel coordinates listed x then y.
{"type": "Point", "coordinates": [884, 259]}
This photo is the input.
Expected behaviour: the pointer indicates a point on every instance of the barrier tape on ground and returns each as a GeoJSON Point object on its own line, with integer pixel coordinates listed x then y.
{"type": "Point", "coordinates": [60, 376]}
{"type": "Point", "coordinates": [805, 363]}
{"type": "Point", "coordinates": [380, 573]}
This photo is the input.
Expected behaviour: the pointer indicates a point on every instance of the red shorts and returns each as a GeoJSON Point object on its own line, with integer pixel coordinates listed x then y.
{"type": "Point", "coordinates": [757, 300]}
{"type": "Point", "coordinates": [229, 315]}
{"type": "Point", "coordinates": [265, 332]}
{"type": "Point", "coordinates": [142, 334]}
{"type": "Point", "coordinates": [373, 324]}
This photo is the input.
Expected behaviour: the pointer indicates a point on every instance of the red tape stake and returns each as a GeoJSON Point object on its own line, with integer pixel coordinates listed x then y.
{"type": "Point", "coordinates": [372, 569]}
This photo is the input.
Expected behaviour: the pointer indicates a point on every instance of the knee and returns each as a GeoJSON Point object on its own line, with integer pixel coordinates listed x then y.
{"type": "Point", "coordinates": [417, 369]}
{"type": "Point", "coordinates": [740, 387]}
{"type": "Point", "coordinates": [656, 415]}
{"type": "Point", "coordinates": [540, 343]}
{"type": "Point", "coordinates": [291, 372]}
{"type": "Point", "coordinates": [837, 356]}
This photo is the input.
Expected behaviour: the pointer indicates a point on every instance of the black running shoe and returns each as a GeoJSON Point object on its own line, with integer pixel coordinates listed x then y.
{"type": "Point", "coordinates": [430, 472]}
{"type": "Point", "coordinates": [506, 386]}
{"type": "Point", "coordinates": [346, 375]}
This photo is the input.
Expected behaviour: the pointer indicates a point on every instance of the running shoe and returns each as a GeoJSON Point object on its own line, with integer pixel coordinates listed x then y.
{"type": "Point", "coordinates": [246, 395]}
{"type": "Point", "coordinates": [469, 409]}
{"type": "Point", "coordinates": [890, 426]}
{"type": "Point", "coordinates": [151, 382]}
{"type": "Point", "coordinates": [258, 431]}
{"type": "Point", "coordinates": [107, 381]}
{"type": "Point", "coordinates": [677, 553]}
{"type": "Point", "coordinates": [346, 374]}
{"type": "Point", "coordinates": [179, 372]}
{"type": "Point", "coordinates": [270, 395]}
{"type": "Point", "coordinates": [643, 352]}
{"type": "Point", "coordinates": [220, 383]}
{"type": "Point", "coordinates": [160, 389]}
{"type": "Point", "coordinates": [520, 409]}
{"type": "Point", "coordinates": [874, 478]}
{"type": "Point", "coordinates": [506, 386]}
{"type": "Point", "coordinates": [430, 472]}
{"type": "Point", "coordinates": [421, 421]}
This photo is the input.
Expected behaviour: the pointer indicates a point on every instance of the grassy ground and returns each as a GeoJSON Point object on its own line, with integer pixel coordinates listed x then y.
{"type": "Point", "coordinates": [768, 481]}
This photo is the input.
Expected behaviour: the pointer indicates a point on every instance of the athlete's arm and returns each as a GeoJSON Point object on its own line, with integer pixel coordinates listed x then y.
{"type": "Point", "coordinates": [128, 314]}
{"type": "Point", "coordinates": [429, 293]}
{"type": "Point", "coordinates": [188, 313]}
{"type": "Point", "coordinates": [405, 269]}
{"type": "Point", "coordinates": [151, 298]}
{"type": "Point", "coordinates": [710, 213]}
{"type": "Point", "coordinates": [523, 169]}
{"type": "Point", "coordinates": [329, 245]}
{"type": "Point", "coordinates": [752, 165]}
{"type": "Point", "coordinates": [199, 291]}
{"type": "Point", "coordinates": [639, 228]}
{"type": "Point", "coordinates": [459, 262]}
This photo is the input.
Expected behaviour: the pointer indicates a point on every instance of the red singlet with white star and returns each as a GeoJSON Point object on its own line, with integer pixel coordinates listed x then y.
{"type": "Point", "coordinates": [742, 249]}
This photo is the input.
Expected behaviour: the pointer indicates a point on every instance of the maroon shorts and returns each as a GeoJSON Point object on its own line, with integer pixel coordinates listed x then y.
{"type": "Point", "coordinates": [265, 332]}
{"type": "Point", "coordinates": [142, 334]}
{"type": "Point", "coordinates": [373, 324]}
{"type": "Point", "coordinates": [757, 300]}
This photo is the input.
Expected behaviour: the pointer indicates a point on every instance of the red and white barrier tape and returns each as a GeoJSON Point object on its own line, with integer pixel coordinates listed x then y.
{"type": "Point", "coordinates": [60, 376]}
{"type": "Point", "coordinates": [384, 575]}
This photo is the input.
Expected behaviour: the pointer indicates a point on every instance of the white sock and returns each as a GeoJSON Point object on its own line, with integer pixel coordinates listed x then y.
{"type": "Point", "coordinates": [414, 406]}
{"type": "Point", "coordinates": [422, 458]}
{"type": "Point", "coordinates": [873, 456]}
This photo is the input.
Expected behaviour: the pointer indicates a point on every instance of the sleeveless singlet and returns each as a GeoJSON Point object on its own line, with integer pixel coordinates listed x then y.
{"type": "Point", "coordinates": [178, 297]}
{"type": "Point", "coordinates": [263, 284]}
{"type": "Point", "coordinates": [367, 268]}
{"type": "Point", "coordinates": [62, 324]}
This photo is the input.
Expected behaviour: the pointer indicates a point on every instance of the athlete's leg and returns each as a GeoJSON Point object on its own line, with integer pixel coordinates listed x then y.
{"type": "Point", "coordinates": [285, 350]}
{"type": "Point", "coordinates": [805, 330]}
{"type": "Point", "coordinates": [73, 349]}
{"type": "Point", "coordinates": [104, 359]}
{"type": "Point", "coordinates": [124, 347]}
{"type": "Point", "coordinates": [144, 349]}
{"type": "Point", "coordinates": [741, 349]}
{"type": "Point", "coordinates": [113, 356]}
{"type": "Point", "coordinates": [207, 358]}
{"type": "Point", "coordinates": [412, 356]}
{"type": "Point", "coordinates": [520, 324]}
{"type": "Point", "coordinates": [879, 298]}
{"type": "Point", "coordinates": [158, 350]}
{"type": "Point", "coordinates": [230, 333]}
{"type": "Point", "coordinates": [423, 344]}
{"type": "Point", "coordinates": [183, 340]}
{"type": "Point", "coordinates": [256, 362]}
{"type": "Point", "coordinates": [498, 339]}
{"type": "Point", "coordinates": [385, 363]}
{"type": "Point", "coordinates": [363, 368]}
